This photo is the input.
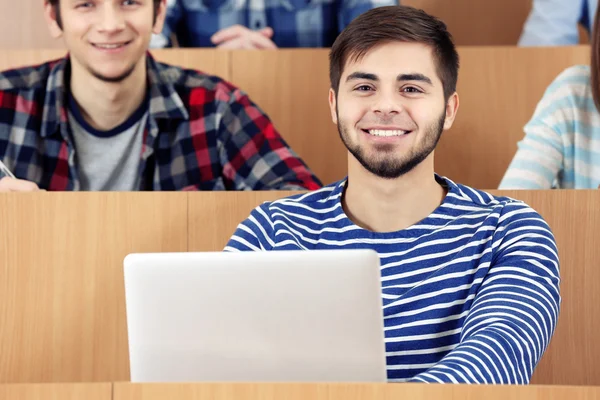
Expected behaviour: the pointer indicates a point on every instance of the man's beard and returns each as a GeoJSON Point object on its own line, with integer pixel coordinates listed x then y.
{"type": "Point", "coordinates": [113, 79]}
{"type": "Point", "coordinates": [384, 164]}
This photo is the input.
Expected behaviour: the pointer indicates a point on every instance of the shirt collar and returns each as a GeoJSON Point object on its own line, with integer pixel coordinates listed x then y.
{"type": "Point", "coordinates": [165, 102]}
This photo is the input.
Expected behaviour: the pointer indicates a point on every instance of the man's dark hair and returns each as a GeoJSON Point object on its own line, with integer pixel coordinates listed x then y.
{"type": "Point", "coordinates": [395, 24]}
{"type": "Point", "coordinates": [55, 4]}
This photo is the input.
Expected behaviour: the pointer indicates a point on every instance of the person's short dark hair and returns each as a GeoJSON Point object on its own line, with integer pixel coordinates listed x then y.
{"type": "Point", "coordinates": [395, 24]}
{"type": "Point", "coordinates": [54, 4]}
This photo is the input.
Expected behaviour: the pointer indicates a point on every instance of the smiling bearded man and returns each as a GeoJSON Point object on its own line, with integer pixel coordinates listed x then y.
{"type": "Point", "coordinates": [470, 282]}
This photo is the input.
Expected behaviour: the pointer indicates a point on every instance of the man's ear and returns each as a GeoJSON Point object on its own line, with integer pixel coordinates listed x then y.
{"type": "Point", "coordinates": [159, 18]}
{"type": "Point", "coordinates": [52, 17]}
{"type": "Point", "coordinates": [451, 111]}
{"type": "Point", "coordinates": [333, 106]}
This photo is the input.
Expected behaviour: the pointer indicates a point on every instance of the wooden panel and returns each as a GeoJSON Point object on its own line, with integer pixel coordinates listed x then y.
{"type": "Point", "coordinates": [292, 86]}
{"type": "Point", "coordinates": [573, 357]}
{"type": "Point", "coordinates": [209, 61]}
{"type": "Point", "coordinates": [62, 302]}
{"type": "Point", "coordinates": [23, 26]}
{"type": "Point", "coordinates": [479, 22]}
{"type": "Point", "coordinates": [124, 391]}
{"type": "Point", "coordinates": [213, 216]}
{"type": "Point", "coordinates": [574, 216]}
{"type": "Point", "coordinates": [97, 391]}
{"type": "Point", "coordinates": [499, 88]}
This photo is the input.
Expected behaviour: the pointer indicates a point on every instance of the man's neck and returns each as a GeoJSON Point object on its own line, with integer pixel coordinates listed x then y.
{"type": "Point", "coordinates": [389, 205]}
{"type": "Point", "coordinates": [106, 105]}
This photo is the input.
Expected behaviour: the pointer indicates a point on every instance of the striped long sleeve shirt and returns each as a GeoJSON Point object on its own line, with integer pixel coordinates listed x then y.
{"type": "Point", "coordinates": [561, 147]}
{"type": "Point", "coordinates": [470, 293]}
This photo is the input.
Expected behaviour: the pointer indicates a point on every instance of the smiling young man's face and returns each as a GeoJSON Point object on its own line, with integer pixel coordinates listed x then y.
{"type": "Point", "coordinates": [390, 108]}
{"type": "Point", "coordinates": [108, 38]}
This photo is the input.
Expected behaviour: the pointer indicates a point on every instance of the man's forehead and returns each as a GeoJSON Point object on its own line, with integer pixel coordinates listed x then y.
{"type": "Point", "coordinates": [392, 59]}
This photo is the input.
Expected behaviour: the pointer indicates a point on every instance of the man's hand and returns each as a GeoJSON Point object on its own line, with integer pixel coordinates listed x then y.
{"type": "Point", "coordinates": [240, 37]}
{"type": "Point", "coordinates": [17, 185]}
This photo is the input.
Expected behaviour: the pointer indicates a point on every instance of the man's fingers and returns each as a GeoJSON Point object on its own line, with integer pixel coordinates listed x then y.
{"type": "Point", "coordinates": [227, 34]}
{"type": "Point", "coordinates": [234, 44]}
{"type": "Point", "coordinates": [261, 42]}
{"type": "Point", "coordinates": [17, 185]}
{"type": "Point", "coordinates": [266, 32]}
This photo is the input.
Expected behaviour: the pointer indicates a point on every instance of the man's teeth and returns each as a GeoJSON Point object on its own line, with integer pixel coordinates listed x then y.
{"type": "Point", "coordinates": [110, 46]}
{"type": "Point", "coordinates": [381, 132]}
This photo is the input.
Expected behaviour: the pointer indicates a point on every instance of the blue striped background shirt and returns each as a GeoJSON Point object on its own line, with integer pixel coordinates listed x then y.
{"type": "Point", "coordinates": [470, 293]}
{"type": "Point", "coordinates": [561, 147]}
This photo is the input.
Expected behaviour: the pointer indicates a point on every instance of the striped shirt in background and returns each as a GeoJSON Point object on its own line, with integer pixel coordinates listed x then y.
{"type": "Point", "coordinates": [561, 147]}
{"type": "Point", "coordinates": [470, 293]}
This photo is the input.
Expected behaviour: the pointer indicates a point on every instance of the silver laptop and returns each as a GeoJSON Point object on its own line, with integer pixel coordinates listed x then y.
{"type": "Point", "coordinates": [279, 316]}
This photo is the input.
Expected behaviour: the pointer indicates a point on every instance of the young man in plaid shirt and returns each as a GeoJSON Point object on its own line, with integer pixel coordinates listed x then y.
{"type": "Point", "coordinates": [109, 117]}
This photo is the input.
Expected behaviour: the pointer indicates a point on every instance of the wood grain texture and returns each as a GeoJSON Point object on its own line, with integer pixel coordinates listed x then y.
{"type": "Point", "coordinates": [499, 89]}
{"type": "Point", "coordinates": [125, 391]}
{"type": "Point", "coordinates": [214, 216]}
{"type": "Point", "coordinates": [22, 26]}
{"type": "Point", "coordinates": [91, 391]}
{"type": "Point", "coordinates": [62, 303]}
{"type": "Point", "coordinates": [479, 22]}
{"type": "Point", "coordinates": [573, 357]}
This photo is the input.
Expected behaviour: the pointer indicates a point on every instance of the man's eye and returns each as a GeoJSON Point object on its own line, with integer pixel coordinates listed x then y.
{"type": "Point", "coordinates": [364, 88]}
{"type": "Point", "coordinates": [411, 89]}
{"type": "Point", "coordinates": [84, 5]}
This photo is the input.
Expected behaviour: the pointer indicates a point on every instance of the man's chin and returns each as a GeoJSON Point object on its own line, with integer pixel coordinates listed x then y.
{"type": "Point", "coordinates": [113, 76]}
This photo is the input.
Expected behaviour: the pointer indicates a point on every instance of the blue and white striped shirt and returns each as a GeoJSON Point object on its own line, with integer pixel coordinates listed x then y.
{"type": "Point", "coordinates": [470, 293]}
{"type": "Point", "coordinates": [561, 147]}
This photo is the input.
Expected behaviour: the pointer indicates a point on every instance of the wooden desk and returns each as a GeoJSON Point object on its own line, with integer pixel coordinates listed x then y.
{"type": "Point", "coordinates": [127, 391]}
{"type": "Point", "coordinates": [62, 303]}
{"type": "Point", "coordinates": [91, 391]}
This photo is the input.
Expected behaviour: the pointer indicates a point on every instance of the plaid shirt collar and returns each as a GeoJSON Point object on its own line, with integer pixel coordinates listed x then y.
{"type": "Point", "coordinates": [165, 103]}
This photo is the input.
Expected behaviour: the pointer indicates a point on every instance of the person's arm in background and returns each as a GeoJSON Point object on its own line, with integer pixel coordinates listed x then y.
{"type": "Point", "coordinates": [175, 13]}
{"type": "Point", "coordinates": [553, 23]}
{"type": "Point", "coordinates": [350, 9]}
{"type": "Point", "coordinates": [540, 156]}
{"type": "Point", "coordinates": [514, 312]}
{"type": "Point", "coordinates": [253, 154]}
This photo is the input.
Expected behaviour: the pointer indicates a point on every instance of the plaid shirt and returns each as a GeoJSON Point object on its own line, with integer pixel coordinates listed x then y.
{"type": "Point", "coordinates": [296, 23]}
{"type": "Point", "coordinates": [202, 134]}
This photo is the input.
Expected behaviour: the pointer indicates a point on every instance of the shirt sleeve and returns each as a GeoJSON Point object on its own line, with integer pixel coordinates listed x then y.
{"type": "Point", "coordinates": [515, 311]}
{"type": "Point", "coordinates": [174, 15]}
{"type": "Point", "coordinates": [539, 159]}
{"type": "Point", "coordinates": [350, 9]}
{"type": "Point", "coordinates": [553, 23]}
{"type": "Point", "coordinates": [253, 154]}
{"type": "Point", "coordinates": [253, 234]}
